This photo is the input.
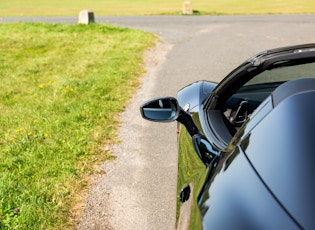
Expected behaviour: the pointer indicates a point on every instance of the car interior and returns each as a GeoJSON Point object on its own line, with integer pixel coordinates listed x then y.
{"type": "Point", "coordinates": [239, 107]}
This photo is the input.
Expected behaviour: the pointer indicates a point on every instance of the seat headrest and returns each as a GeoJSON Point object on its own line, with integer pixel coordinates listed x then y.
{"type": "Point", "coordinates": [292, 87]}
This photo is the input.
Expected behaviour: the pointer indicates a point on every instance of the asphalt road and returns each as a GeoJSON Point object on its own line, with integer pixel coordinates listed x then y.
{"type": "Point", "coordinates": [138, 190]}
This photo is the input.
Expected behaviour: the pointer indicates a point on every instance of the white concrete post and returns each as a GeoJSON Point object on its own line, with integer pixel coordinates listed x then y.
{"type": "Point", "coordinates": [86, 17]}
{"type": "Point", "coordinates": [187, 8]}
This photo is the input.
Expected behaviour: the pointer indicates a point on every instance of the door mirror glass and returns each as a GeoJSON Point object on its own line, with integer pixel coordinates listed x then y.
{"type": "Point", "coordinates": [160, 109]}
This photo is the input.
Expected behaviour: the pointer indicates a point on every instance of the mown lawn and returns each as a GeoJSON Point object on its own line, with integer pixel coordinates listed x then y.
{"type": "Point", "coordinates": [62, 88]}
{"type": "Point", "coordinates": [154, 7]}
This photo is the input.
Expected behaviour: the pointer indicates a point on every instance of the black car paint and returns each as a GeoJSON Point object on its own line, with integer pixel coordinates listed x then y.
{"type": "Point", "coordinates": [286, 164]}
{"type": "Point", "coordinates": [279, 185]}
{"type": "Point", "coordinates": [251, 178]}
{"type": "Point", "coordinates": [188, 94]}
{"type": "Point", "coordinates": [263, 178]}
{"type": "Point", "coordinates": [237, 199]}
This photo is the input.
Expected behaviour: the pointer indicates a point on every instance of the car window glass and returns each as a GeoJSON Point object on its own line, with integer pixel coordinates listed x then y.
{"type": "Point", "coordinates": [283, 74]}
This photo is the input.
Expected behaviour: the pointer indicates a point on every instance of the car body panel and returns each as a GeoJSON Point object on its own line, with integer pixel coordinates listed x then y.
{"type": "Point", "coordinates": [256, 174]}
{"type": "Point", "coordinates": [195, 93]}
{"type": "Point", "coordinates": [284, 156]}
{"type": "Point", "coordinates": [224, 206]}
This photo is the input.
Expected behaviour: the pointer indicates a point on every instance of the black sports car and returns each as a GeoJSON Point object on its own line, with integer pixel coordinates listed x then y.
{"type": "Point", "coordinates": [246, 145]}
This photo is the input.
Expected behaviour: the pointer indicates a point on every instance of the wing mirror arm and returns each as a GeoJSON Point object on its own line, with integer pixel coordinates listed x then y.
{"type": "Point", "coordinates": [167, 109]}
{"type": "Point", "coordinates": [186, 119]}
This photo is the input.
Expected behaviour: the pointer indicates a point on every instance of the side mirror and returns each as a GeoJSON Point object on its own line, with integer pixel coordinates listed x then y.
{"type": "Point", "coordinates": [160, 110]}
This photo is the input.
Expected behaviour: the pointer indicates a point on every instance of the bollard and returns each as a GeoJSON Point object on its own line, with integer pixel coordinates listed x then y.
{"type": "Point", "coordinates": [86, 17]}
{"type": "Point", "coordinates": [187, 8]}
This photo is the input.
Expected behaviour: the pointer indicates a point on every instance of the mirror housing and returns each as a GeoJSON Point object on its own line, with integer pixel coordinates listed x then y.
{"type": "Point", "coordinates": [167, 109]}
{"type": "Point", "coordinates": [164, 109]}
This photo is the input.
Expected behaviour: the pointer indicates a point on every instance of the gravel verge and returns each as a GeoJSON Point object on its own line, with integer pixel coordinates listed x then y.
{"type": "Point", "coordinates": [121, 197]}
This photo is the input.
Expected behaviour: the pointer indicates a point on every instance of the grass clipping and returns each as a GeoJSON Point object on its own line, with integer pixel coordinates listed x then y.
{"type": "Point", "coordinates": [62, 87]}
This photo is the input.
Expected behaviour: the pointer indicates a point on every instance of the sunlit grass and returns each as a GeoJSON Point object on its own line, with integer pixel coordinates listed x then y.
{"type": "Point", "coordinates": [154, 7]}
{"type": "Point", "coordinates": [62, 87]}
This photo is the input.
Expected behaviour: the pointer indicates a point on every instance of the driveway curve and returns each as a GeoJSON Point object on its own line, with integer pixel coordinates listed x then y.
{"type": "Point", "coordinates": [138, 188]}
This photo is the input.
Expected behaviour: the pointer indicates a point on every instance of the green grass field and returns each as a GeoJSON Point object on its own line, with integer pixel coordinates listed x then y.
{"type": "Point", "coordinates": [62, 87]}
{"type": "Point", "coordinates": [154, 7]}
